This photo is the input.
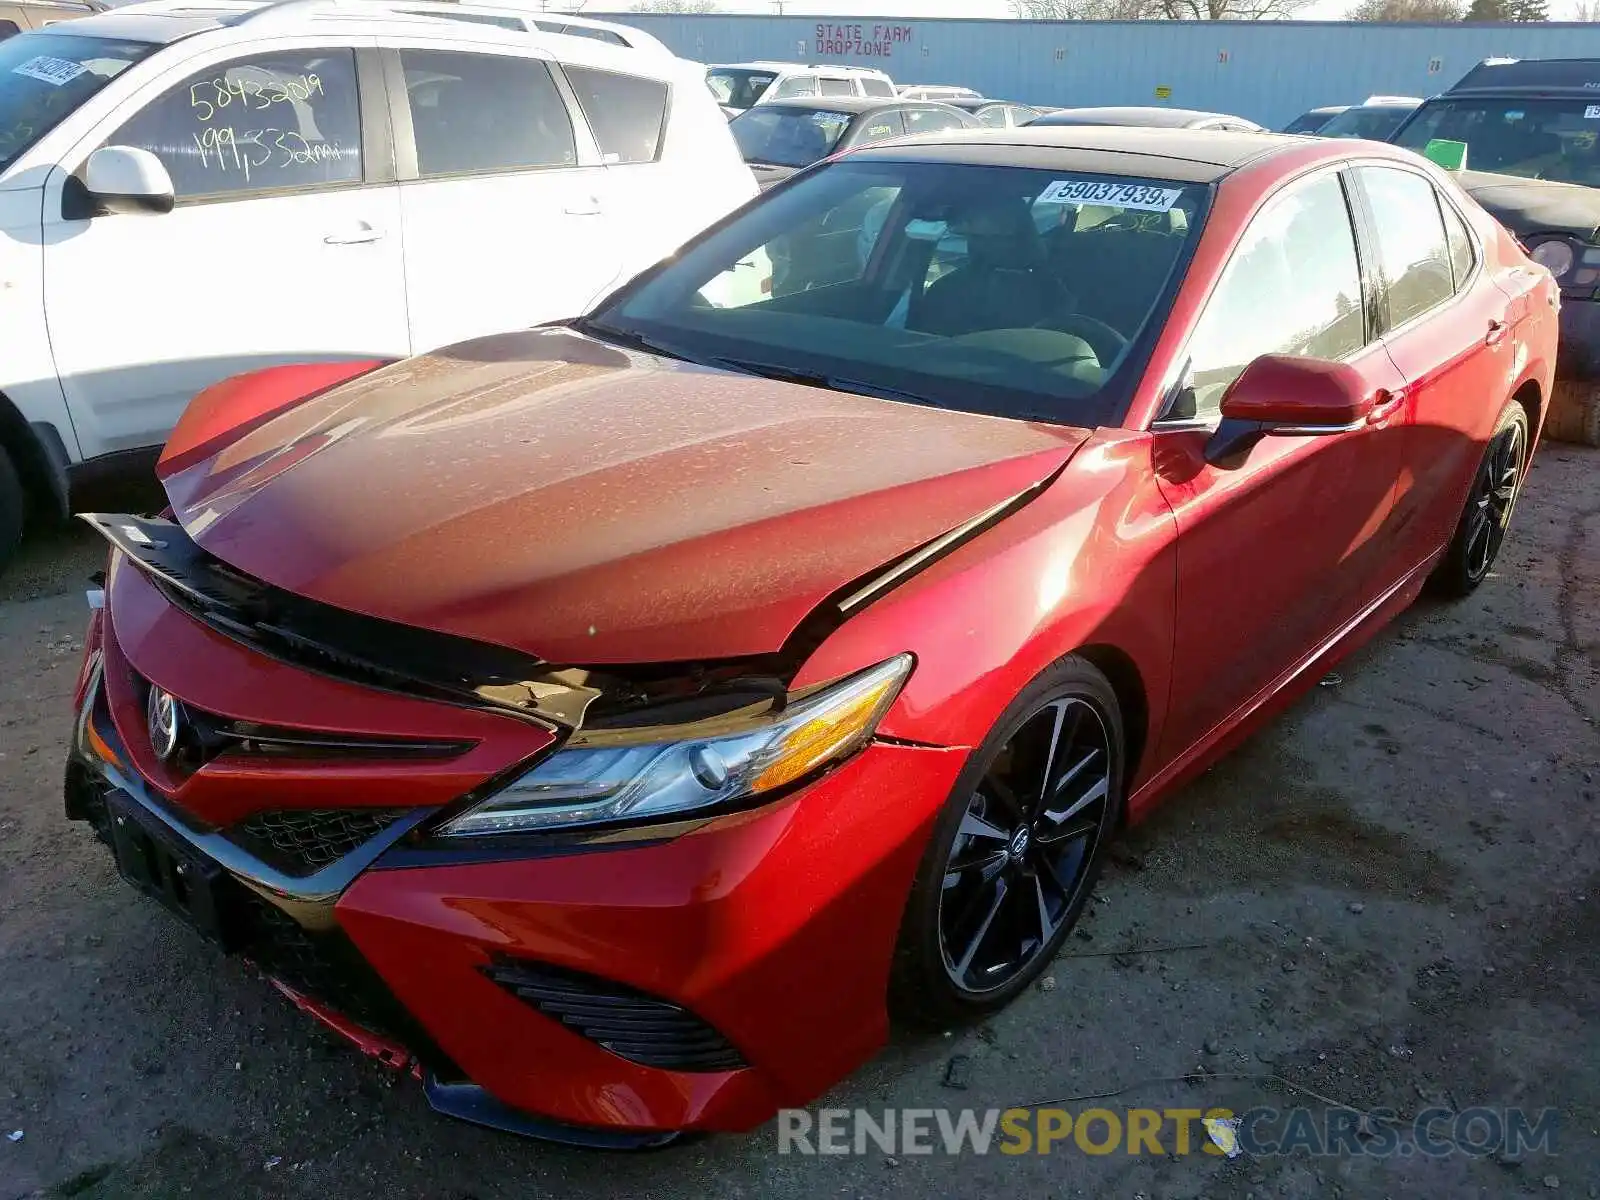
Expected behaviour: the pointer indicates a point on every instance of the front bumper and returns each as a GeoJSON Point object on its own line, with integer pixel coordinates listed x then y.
{"type": "Point", "coordinates": [760, 942]}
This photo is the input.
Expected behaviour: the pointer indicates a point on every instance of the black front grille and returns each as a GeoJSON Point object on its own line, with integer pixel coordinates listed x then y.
{"type": "Point", "coordinates": [634, 1025]}
{"type": "Point", "coordinates": [303, 841]}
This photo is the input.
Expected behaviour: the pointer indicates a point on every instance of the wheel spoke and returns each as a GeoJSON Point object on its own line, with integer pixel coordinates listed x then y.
{"type": "Point", "coordinates": [1074, 771]}
{"type": "Point", "coordinates": [1097, 791]}
{"type": "Point", "coordinates": [963, 966]}
{"type": "Point", "coordinates": [1003, 793]}
{"type": "Point", "coordinates": [1047, 925]}
{"type": "Point", "coordinates": [1050, 754]}
{"type": "Point", "coordinates": [986, 865]}
{"type": "Point", "coordinates": [975, 826]}
{"type": "Point", "coordinates": [1064, 833]}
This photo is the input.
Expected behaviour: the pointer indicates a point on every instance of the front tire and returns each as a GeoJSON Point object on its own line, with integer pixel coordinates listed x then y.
{"type": "Point", "coordinates": [1015, 851]}
{"type": "Point", "coordinates": [11, 510]}
{"type": "Point", "coordinates": [1482, 528]}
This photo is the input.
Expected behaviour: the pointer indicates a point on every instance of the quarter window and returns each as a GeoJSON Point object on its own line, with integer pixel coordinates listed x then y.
{"type": "Point", "coordinates": [484, 112]}
{"type": "Point", "coordinates": [8, 29]}
{"type": "Point", "coordinates": [879, 127]}
{"type": "Point", "coordinates": [876, 87]}
{"type": "Point", "coordinates": [1462, 255]}
{"type": "Point", "coordinates": [1293, 286]}
{"type": "Point", "coordinates": [1413, 253]}
{"type": "Point", "coordinates": [268, 123]}
{"type": "Point", "coordinates": [837, 87]}
{"type": "Point", "coordinates": [627, 113]}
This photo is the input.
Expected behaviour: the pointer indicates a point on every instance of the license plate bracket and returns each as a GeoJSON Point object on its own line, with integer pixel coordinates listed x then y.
{"type": "Point", "coordinates": [155, 860]}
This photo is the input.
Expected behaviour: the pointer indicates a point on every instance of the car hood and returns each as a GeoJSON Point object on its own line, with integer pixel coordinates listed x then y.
{"type": "Point", "coordinates": [588, 505]}
{"type": "Point", "coordinates": [1530, 206]}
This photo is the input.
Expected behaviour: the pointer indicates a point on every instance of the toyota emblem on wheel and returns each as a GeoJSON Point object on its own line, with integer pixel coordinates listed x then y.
{"type": "Point", "coordinates": [165, 717]}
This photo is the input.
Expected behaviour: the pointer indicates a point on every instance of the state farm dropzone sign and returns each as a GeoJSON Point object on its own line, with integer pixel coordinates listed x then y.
{"type": "Point", "coordinates": [861, 41]}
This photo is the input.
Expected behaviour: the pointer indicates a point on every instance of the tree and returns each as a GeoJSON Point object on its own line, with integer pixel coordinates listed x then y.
{"type": "Point", "coordinates": [1157, 10]}
{"type": "Point", "coordinates": [675, 6]}
{"type": "Point", "coordinates": [1528, 10]}
{"type": "Point", "coordinates": [1489, 10]}
{"type": "Point", "coordinates": [1436, 11]}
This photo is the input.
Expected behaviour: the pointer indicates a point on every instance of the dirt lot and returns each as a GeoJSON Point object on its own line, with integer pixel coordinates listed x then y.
{"type": "Point", "coordinates": [1387, 898]}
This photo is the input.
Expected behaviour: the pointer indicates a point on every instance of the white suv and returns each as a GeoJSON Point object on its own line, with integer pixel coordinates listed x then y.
{"type": "Point", "coordinates": [738, 86]}
{"type": "Point", "coordinates": [192, 189]}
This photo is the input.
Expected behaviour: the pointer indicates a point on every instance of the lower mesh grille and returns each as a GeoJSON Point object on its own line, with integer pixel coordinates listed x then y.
{"type": "Point", "coordinates": [303, 841]}
{"type": "Point", "coordinates": [631, 1024]}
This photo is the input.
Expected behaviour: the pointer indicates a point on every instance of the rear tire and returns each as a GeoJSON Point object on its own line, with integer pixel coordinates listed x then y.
{"type": "Point", "coordinates": [1482, 528]}
{"type": "Point", "coordinates": [12, 506]}
{"type": "Point", "coordinates": [1015, 852]}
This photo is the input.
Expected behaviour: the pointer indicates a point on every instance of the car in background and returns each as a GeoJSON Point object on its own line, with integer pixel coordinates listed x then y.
{"type": "Point", "coordinates": [19, 16]}
{"type": "Point", "coordinates": [1314, 119]}
{"type": "Point", "coordinates": [509, 15]}
{"type": "Point", "coordinates": [996, 114]}
{"type": "Point", "coordinates": [741, 675]}
{"type": "Point", "coordinates": [1522, 135]}
{"type": "Point", "coordinates": [1147, 118]}
{"type": "Point", "coordinates": [738, 86]}
{"type": "Point", "coordinates": [935, 91]}
{"type": "Point", "coordinates": [1373, 121]}
{"type": "Point", "coordinates": [367, 181]}
{"type": "Point", "coordinates": [780, 137]}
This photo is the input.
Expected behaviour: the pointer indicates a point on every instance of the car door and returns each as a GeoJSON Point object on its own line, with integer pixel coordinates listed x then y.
{"type": "Point", "coordinates": [501, 195]}
{"type": "Point", "coordinates": [283, 244]}
{"type": "Point", "coordinates": [1446, 330]}
{"type": "Point", "coordinates": [1279, 552]}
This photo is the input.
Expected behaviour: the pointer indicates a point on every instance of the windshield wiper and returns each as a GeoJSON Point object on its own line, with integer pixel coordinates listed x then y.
{"type": "Point", "coordinates": [821, 379]}
{"type": "Point", "coordinates": [636, 341]}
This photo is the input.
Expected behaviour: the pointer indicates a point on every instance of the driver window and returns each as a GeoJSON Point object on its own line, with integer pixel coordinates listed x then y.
{"type": "Point", "coordinates": [1293, 286]}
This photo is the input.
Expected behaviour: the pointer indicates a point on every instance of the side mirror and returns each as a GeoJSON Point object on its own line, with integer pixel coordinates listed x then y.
{"type": "Point", "coordinates": [126, 179]}
{"type": "Point", "coordinates": [1282, 395]}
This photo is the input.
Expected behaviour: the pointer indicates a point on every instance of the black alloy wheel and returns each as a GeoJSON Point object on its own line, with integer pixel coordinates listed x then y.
{"type": "Point", "coordinates": [1016, 849]}
{"type": "Point", "coordinates": [1481, 530]}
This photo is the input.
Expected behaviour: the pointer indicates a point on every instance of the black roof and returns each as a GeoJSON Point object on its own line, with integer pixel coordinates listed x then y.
{"type": "Point", "coordinates": [847, 104]}
{"type": "Point", "coordinates": [1182, 155]}
{"type": "Point", "coordinates": [1524, 76]}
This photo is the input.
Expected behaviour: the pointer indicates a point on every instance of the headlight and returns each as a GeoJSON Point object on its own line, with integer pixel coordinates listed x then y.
{"type": "Point", "coordinates": [646, 774]}
{"type": "Point", "coordinates": [1555, 256]}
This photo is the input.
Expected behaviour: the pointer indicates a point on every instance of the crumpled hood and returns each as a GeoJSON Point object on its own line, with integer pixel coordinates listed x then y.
{"type": "Point", "coordinates": [551, 493]}
{"type": "Point", "coordinates": [1530, 206]}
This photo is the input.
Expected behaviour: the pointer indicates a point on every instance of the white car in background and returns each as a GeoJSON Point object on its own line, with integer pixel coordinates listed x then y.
{"type": "Point", "coordinates": [937, 91]}
{"type": "Point", "coordinates": [192, 189]}
{"type": "Point", "coordinates": [738, 86]}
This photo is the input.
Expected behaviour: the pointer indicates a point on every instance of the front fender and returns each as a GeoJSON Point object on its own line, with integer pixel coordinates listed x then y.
{"type": "Point", "coordinates": [1090, 562]}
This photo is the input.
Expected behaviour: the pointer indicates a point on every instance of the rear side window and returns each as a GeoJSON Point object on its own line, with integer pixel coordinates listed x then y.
{"type": "Point", "coordinates": [876, 87]}
{"type": "Point", "coordinates": [795, 85]}
{"type": "Point", "coordinates": [837, 87]}
{"type": "Point", "coordinates": [1413, 252]}
{"type": "Point", "coordinates": [271, 122]}
{"type": "Point", "coordinates": [628, 114]}
{"type": "Point", "coordinates": [8, 29]}
{"type": "Point", "coordinates": [879, 127]}
{"type": "Point", "coordinates": [484, 112]}
{"type": "Point", "coordinates": [926, 120]}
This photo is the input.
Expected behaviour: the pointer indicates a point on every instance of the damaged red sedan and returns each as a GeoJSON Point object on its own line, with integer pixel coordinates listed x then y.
{"type": "Point", "coordinates": [614, 723]}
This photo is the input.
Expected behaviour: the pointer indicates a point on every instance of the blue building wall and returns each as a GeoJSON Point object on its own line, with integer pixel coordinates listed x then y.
{"type": "Point", "coordinates": [1269, 71]}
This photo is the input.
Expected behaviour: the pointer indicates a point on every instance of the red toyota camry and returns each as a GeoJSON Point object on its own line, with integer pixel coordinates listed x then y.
{"type": "Point", "coordinates": [614, 723]}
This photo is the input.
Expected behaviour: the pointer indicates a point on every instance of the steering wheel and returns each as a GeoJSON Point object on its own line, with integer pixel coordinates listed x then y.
{"type": "Point", "coordinates": [1105, 341]}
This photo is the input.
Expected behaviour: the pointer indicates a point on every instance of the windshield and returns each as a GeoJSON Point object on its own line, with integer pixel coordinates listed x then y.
{"type": "Point", "coordinates": [1536, 139]}
{"type": "Point", "coordinates": [738, 89]}
{"type": "Point", "coordinates": [788, 137]}
{"type": "Point", "coordinates": [1001, 290]}
{"type": "Point", "coordinates": [1372, 124]}
{"type": "Point", "coordinates": [44, 76]}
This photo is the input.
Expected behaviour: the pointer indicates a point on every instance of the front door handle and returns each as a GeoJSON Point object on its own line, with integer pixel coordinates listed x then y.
{"type": "Point", "coordinates": [584, 206]}
{"type": "Point", "coordinates": [1388, 402]}
{"type": "Point", "coordinates": [1497, 332]}
{"type": "Point", "coordinates": [360, 235]}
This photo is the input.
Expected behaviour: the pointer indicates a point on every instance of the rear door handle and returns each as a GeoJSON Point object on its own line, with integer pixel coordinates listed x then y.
{"type": "Point", "coordinates": [1497, 331]}
{"type": "Point", "coordinates": [360, 235]}
{"type": "Point", "coordinates": [1388, 402]}
{"type": "Point", "coordinates": [586, 206]}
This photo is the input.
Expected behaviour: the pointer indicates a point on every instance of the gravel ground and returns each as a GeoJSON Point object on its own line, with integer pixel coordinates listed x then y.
{"type": "Point", "coordinates": [1386, 899]}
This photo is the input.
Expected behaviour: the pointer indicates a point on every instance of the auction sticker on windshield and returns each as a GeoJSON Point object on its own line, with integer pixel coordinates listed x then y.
{"type": "Point", "coordinates": [54, 71]}
{"type": "Point", "coordinates": [1144, 197]}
